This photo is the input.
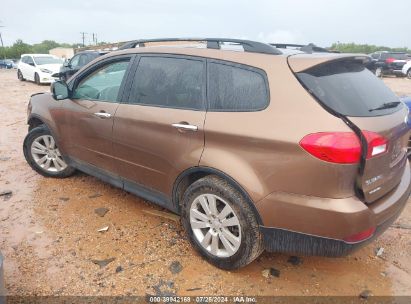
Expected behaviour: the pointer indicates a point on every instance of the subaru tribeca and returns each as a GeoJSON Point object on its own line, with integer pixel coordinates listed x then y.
{"type": "Point", "coordinates": [255, 149]}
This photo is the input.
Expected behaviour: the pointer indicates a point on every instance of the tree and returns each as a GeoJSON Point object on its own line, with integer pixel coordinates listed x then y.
{"type": "Point", "coordinates": [364, 48]}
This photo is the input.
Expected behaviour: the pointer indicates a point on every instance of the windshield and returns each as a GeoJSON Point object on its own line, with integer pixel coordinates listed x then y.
{"type": "Point", "coordinates": [350, 89]}
{"type": "Point", "coordinates": [47, 60]}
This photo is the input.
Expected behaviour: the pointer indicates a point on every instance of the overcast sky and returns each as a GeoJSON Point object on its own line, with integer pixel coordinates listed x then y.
{"type": "Point", "coordinates": [295, 21]}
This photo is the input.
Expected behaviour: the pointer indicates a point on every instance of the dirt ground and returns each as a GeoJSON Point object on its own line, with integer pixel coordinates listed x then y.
{"type": "Point", "coordinates": [49, 237]}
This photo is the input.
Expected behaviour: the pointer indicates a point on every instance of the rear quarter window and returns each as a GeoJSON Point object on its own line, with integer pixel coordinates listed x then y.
{"type": "Point", "coordinates": [236, 88]}
{"type": "Point", "coordinates": [348, 88]}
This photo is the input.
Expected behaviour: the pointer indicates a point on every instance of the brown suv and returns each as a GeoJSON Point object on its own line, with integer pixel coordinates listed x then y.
{"type": "Point", "coordinates": [256, 149]}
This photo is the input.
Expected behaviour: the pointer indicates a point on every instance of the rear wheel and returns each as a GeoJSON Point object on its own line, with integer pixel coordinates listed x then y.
{"type": "Point", "coordinates": [20, 75]}
{"type": "Point", "coordinates": [43, 155]}
{"type": "Point", "coordinates": [36, 78]}
{"type": "Point", "coordinates": [409, 74]}
{"type": "Point", "coordinates": [220, 223]}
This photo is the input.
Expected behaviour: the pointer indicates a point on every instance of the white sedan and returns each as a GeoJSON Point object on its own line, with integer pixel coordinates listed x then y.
{"type": "Point", "coordinates": [38, 67]}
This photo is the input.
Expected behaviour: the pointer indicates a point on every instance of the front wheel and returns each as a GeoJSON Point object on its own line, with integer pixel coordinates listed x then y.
{"type": "Point", "coordinates": [20, 75]}
{"type": "Point", "coordinates": [42, 154]}
{"type": "Point", "coordinates": [378, 72]}
{"type": "Point", "coordinates": [409, 74]}
{"type": "Point", "coordinates": [220, 223]}
{"type": "Point", "coordinates": [36, 78]}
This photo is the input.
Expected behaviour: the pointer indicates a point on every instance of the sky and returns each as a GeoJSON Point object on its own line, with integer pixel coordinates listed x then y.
{"type": "Point", "coordinates": [321, 22]}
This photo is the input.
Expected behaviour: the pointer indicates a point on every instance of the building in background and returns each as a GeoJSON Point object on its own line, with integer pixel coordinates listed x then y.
{"type": "Point", "coordinates": [65, 53]}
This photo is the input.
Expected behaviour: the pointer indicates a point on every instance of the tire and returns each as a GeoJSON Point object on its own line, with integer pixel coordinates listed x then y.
{"type": "Point", "coordinates": [247, 232]}
{"type": "Point", "coordinates": [36, 78]}
{"type": "Point", "coordinates": [48, 162]}
{"type": "Point", "coordinates": [409, 74]}
{"type": "Point", "coordinates": [20, 75]}
{"type": "Point", "coordinates": [379, 73]}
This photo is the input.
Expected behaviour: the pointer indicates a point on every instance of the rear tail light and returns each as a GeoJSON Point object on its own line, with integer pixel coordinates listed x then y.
{"type": "Point", "coordinates": [389, 60]}
{"type": "Point", "coordinates": [361, 236]}
{"type": "Point", "coordinates": [342, 147]}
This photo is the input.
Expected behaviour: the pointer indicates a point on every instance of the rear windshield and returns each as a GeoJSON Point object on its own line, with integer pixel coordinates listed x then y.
{"type": "Point", "coordinates": [398, 56]}
{"type": "Point", "coordinates": [348, 88]}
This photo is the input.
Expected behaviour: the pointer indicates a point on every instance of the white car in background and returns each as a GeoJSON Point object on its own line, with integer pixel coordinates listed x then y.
{"type": "Point", "coordinates": [406, 69]}
{"type": "Point", "coordinates": [38, 67]}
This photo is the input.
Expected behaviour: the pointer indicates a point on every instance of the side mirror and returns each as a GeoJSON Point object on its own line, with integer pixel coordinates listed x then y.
{"type": "Point", "coordinates": [60, 90]}
{"type": "Point", "coordinates": [66, 64]}
{"type": "Point", "coordinates": [31, 63]}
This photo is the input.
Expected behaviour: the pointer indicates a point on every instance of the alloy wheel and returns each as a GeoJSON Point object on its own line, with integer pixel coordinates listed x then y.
{"type": "Point", "coordinates": [215, 225]}
{"type": "Point", "coordinates": [46, 154]}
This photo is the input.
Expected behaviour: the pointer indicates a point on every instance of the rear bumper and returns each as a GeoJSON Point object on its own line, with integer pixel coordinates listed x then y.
{"type": "Point", "coordinates": [317, 226]}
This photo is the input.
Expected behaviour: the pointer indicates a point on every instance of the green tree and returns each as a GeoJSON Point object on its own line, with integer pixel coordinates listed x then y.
{"type": "Point", "coordinates": [364, 48]}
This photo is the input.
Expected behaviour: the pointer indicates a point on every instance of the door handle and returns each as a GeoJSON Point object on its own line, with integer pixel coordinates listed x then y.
{"type": "Point", "coordinates": [185, 126]}
{"type": "Point", "coordinates": [103, 114]}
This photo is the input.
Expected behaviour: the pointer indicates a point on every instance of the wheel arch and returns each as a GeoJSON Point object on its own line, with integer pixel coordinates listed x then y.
{"type": "Point", "coordinates": [35, 121]}
{"type": "Point", "coordinates": [189, 176]}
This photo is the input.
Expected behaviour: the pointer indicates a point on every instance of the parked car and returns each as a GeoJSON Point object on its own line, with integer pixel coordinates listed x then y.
{"type": "Point", "coordinates": [236, 143]}
{"type": "Point", "coordinates": [6, 64]}
{"type": "Point", "coordinates": [406, 69]}
{"type": "Point", "coordinates": [387, 63]}
{"type": "Point", "coordinates": [303, 48]}
{"type": "Point", "coordinates": [38, 67]}
{"type": "Point", "coordinates": [79, 60]}
{"type": "Point", "coordinates": [407, 101]}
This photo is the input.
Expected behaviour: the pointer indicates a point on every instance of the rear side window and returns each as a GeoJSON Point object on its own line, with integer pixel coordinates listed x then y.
{"type": "Point", "coordinates": [236, 88]}
{"type": "Point", "coordinates": [169, 82]}
{"type": "Point", "coordinates": [350, 89]}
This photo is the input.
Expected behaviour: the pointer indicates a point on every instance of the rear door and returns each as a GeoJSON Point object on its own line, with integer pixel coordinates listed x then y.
{"type": "Point", "coordinates": [159, 132]}
{"type": "Point", "coordinates": [89, 113]}
{"type": "Point", "coordinates": [346, 87]}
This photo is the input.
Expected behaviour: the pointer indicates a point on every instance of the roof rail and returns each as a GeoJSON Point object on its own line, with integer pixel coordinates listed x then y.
{"type": "Point", "coordinates": [212, 43]}
{"type": "Point", "coordinates": [309, 48]}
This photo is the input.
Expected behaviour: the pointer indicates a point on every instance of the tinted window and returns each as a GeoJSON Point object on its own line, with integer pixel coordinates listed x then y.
{"type": "Point", "coordinates": [103, 84]}
{"type": "Point", "coordinates": [232, 88]}
{"type": "Point", "coordinates": [350, 89]}
{"type": "Point", "coordinates": [169, 82]}
{"type": "Point", "coordinates": [29, 60]}
{"type": "Point", "coordinates": [84, 59]}
{"type": "Point", "coordinates": [398, 56]}
{"type": "Point", "coordinates": [74, 62]}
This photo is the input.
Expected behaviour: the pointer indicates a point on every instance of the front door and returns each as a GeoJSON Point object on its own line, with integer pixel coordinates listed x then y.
{"type": "Point", "coordinates": [90, 114]}
{"type": "Point", "coordinates": [159, 132]}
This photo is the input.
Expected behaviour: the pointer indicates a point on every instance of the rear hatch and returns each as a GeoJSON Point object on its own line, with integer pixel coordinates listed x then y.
{"type": "Point", "coordinates": [344, 87]}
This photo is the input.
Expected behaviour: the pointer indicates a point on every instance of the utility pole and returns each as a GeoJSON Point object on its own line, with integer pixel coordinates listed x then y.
{"type": "Point", "coordinates": [95, 38]}
{"type": "Point", "coordinates": [2, 45]}
{"type": "Point", "coordinates": [83, 35]}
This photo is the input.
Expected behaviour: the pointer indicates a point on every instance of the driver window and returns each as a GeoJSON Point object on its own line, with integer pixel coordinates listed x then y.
{"type": "Point", "coordinates": [74, 61]}
{"type": "Point", "coordinates": [104, 83]}
{"type": "Point", "coordinates": [29, 60]}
